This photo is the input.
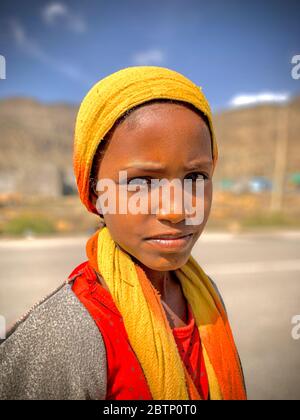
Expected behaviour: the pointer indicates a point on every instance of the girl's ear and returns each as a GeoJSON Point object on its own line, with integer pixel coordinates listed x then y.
{"type": "Point", "coordinates": [97, 204]}
{"type": "Point", "coordinates": [93, 197]}
{"type": "Point", "coordinates": [93, 192]}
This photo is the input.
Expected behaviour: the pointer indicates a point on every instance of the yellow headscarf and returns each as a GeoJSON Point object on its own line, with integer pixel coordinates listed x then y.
{"type": "Point", "coordinates": [144, 318]}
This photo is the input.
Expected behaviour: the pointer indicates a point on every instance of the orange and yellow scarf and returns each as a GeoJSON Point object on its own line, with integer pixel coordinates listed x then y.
{"type": "Point", "coordinates": [145, 321]}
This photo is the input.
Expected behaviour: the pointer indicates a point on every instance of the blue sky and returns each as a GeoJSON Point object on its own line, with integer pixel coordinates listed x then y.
{"type": "Point", "coordinates": [56, 50]}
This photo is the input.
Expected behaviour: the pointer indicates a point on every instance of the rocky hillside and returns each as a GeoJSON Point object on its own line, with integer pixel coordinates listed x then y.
{"type": "Point", "coordinates": [36, 146]}
{"type": "Point", "coordinates": [247, 139]}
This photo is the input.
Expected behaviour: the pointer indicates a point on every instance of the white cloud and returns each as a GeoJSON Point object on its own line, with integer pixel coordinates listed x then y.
{"type": "Point", "coordinates": [59, 13]}
{"type": "Point", "coordinates": [258, 98]}
{"type": "Point", "coordinates": [33, 49]}
{"type": "Point", "coordinates": [149, 57]}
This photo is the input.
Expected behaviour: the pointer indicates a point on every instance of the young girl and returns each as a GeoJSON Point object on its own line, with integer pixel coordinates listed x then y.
{"type": "Point", "coordinates": [139, 319]}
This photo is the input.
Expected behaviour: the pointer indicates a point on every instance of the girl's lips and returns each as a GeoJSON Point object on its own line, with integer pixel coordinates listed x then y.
{"type": "Point", "coordinates": [173, 244]}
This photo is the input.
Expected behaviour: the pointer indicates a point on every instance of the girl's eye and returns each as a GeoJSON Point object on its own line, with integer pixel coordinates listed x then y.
{"type": "Point", "coordinates": [139, 181]}
{"type": "Point", "coordinates": [145, 182]}
{"type": "Point", "coordinates": [198, 175]}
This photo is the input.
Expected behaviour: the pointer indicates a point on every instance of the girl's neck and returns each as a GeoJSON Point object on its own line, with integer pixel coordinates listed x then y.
{"type": "Point", "coordinates": [162, 281]}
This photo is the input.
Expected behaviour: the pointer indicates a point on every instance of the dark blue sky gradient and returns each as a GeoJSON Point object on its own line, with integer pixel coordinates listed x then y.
{"type": "Point", "coordinates": [227, 47]}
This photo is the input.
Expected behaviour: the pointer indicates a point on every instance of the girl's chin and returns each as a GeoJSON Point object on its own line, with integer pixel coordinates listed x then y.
{"type": "Point", "coordinates": [169, 263]}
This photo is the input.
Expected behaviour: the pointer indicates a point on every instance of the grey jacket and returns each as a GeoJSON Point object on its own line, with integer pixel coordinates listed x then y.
{"type": "Point", "coordinates": [55, 353]}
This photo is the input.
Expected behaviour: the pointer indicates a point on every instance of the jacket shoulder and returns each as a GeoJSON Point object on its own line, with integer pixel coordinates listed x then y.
{"type": "Point", "coordinates": [56, 352]}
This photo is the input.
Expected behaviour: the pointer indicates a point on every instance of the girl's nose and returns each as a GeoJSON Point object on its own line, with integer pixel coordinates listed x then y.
{"type": "Point", "coordinates": [172, 217]}
{"type": "Point", "coordinates": [172, 210]}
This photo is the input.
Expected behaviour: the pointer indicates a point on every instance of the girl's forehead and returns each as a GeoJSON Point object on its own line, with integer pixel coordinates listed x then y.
{"type": "Point", "coordinates": [166, 139]}
{"type": "Point", "coordinates": [159, 123]}
{"type": "Point", "coordinates": [167, 135]}
{"type": "Point", "coordinates": [160, 111]}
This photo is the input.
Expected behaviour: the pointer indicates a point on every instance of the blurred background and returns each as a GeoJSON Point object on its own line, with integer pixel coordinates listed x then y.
{"type": "Point", "coordinates": [245, 56]}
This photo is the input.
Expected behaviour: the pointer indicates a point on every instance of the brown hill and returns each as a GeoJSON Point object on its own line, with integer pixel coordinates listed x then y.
{"type": "Point", "coordinates": [36, 146]}
{"type": "Point", "coordinates": [32, 130]}
{"type": "Point", "coordinates": [247, 139]}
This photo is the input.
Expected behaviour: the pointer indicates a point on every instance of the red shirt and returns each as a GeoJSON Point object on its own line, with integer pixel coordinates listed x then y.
{"type": "Point", "coordinates": [125, 377]}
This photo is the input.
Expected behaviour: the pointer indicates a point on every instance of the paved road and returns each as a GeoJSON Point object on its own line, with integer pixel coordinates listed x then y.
{"type": "Point", "coordinates": [258, 275]}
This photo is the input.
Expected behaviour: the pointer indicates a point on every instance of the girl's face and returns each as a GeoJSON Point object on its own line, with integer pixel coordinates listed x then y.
{"type": "Point", "coordinates": [171, 136]}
